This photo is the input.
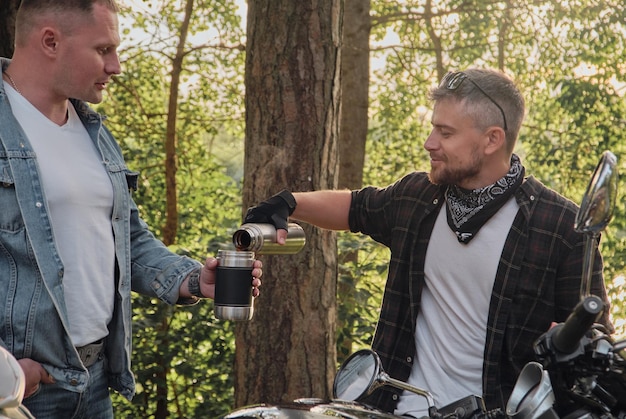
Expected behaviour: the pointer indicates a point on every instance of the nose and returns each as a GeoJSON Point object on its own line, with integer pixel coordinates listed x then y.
{"type": "Point", "coordinates": [431, 142]}
{"type": "Point", "coordinates": [113, 65]}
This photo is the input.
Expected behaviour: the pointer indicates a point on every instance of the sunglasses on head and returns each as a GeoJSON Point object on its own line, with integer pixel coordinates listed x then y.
{"type": "Point", "coordinates": [452, 81]}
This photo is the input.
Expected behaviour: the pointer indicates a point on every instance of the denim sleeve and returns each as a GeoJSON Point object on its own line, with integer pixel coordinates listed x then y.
{"type": "Point", "coordinates": [156, 270]}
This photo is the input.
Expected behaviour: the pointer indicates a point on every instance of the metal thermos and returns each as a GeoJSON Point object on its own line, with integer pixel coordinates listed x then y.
{"type": "Point", "coordinates": [261, 238]}
{"type": "Point", "coordinates": [233, 281]}
{"type": "Point", "coordinates": [233, 285]}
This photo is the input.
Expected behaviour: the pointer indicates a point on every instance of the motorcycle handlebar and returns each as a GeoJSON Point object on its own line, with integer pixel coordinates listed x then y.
{"type": "Point", "coordinates": [568, 335]}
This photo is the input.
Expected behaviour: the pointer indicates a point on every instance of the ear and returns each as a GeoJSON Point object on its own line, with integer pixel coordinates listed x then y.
{"type": "Point", "coordinates": [496, 140]}
{"type": "Point", "coordinates": [49, 41]}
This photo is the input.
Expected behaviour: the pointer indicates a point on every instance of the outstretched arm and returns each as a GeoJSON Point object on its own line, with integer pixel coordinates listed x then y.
{"type": "Point", "coordinates": [327, 209]}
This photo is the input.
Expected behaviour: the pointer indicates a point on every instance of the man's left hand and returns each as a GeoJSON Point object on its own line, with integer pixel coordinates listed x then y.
{"type": "Point", "coordinates": [207, 277]}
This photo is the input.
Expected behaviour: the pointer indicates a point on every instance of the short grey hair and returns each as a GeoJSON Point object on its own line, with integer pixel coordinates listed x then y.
{"type": "Point", "coordinates": [500, 88]}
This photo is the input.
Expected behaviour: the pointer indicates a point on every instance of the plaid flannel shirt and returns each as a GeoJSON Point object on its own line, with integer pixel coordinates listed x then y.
{"type": "Point", "coordinates": [537, 280]}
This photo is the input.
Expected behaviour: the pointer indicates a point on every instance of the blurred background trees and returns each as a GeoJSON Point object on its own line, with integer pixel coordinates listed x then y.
{"type": "Point", "coordinates": [179, 112]}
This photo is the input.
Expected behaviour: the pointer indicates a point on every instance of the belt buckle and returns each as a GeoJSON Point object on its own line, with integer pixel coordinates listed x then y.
{"type": "Point", "coordinates": [89, 354]}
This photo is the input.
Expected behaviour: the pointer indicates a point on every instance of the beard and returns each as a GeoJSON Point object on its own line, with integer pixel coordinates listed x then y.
{"type": "Point", "coordinates": [456, 175]}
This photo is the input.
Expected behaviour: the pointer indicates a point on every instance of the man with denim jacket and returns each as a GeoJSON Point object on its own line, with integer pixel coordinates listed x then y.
{"type": "Point", "coordinates": [72, 244]}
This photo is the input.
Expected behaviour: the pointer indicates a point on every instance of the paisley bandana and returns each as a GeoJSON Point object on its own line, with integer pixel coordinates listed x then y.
{"type": "Point", "coordinates": [469, 210]}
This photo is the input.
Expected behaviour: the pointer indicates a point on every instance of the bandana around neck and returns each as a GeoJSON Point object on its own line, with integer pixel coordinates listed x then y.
{"type": "Point", "coordinates": [469, 210]}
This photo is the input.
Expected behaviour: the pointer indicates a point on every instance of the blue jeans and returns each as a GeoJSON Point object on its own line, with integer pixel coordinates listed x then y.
{"type": "Point", "coordinates": [52, 402]}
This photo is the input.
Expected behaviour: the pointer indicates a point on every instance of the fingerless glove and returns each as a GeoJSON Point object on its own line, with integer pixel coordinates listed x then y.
{"type": "Point", "coordinates": [275, 210]}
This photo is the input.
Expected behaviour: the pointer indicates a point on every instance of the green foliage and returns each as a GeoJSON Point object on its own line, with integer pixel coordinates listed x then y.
{"type": "Point", "coordinates": [195, 352]}
{"type": "Point", "coordinates": [363, 278]}
{"type": "Point", "coordinates": [182, 357]}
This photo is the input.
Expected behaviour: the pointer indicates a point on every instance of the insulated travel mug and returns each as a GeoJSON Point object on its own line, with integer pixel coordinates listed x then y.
{"type": "Point", "coordinates": [233, 285]}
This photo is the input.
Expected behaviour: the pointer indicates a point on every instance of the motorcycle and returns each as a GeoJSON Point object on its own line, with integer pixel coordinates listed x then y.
{"type": "Point", "coordinates": [579, 372]}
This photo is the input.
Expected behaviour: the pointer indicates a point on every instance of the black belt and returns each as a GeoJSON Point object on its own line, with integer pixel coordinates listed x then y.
{"type": "Point", "coordinates": [89, 354]}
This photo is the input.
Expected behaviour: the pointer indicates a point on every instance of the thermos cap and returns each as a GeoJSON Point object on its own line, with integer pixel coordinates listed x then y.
{"type": "Point", "coordinates": [235, 258]}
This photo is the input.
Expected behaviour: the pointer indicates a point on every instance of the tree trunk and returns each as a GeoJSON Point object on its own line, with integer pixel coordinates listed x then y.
{"type": "Point", "coordinates": [163, 365]}
{"type": "Point", "coordinates": [292, 103]}
{"type": "Point", "coordinates": [7, 26]}
{"type": "Point", "coordinates": [354, 92]}
{"type": "Point", "coordinates": [353, 132]}
{"type": "Point", "coordinates": [170, 229]}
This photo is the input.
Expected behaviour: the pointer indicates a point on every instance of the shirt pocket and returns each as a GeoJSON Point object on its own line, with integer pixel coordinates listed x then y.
{"type": "Point", "coordinates": [10, 215]}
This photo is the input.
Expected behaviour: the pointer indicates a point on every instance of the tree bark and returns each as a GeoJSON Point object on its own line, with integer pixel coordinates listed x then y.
{"type": "Point", "coordinates": [170, 229]}
{"type": "Point", "coordinates": [292, 81]}
{"type": "Point", "coordinates": [353, 133]}
{"type": "Point", "coordinates": [354, 92]}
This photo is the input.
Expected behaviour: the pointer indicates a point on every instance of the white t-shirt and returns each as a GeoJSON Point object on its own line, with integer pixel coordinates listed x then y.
{"type": "Point", "coordinates": [80, 197]}
{"type": "Point", "coordinates": [451, 326]}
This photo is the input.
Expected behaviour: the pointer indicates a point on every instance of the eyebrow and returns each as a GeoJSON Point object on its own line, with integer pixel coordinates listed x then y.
{"type": "Point", "coordinates": [446, 126]}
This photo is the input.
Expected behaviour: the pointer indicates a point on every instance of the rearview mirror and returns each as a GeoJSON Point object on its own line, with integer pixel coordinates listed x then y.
{"type": "Point", "coordinates": [362, 373]}
{"type": "Point", "coordinates": [598, 203]}
{"type": "Point", "coordinates": [595, 212]}
{"type": "Point", "coordinates": [532, 396]}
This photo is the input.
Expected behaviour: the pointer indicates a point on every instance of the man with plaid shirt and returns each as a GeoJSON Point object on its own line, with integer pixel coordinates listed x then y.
{"type": "Point", "coordinates": [483, 258]}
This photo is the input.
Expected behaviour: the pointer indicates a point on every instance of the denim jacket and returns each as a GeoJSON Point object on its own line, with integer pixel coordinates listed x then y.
{"type": "Point", "coordinates": [33, 315]}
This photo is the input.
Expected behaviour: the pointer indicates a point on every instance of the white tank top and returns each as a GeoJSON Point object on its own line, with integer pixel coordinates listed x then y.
{"type": "Point", "coordinates": [80, 197]}
{"type": "Point", "coordinates": [451, 326]}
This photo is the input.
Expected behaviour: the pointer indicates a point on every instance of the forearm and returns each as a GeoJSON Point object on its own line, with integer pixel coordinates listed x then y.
{"type": "Point", "coordinates": [327, 209]}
